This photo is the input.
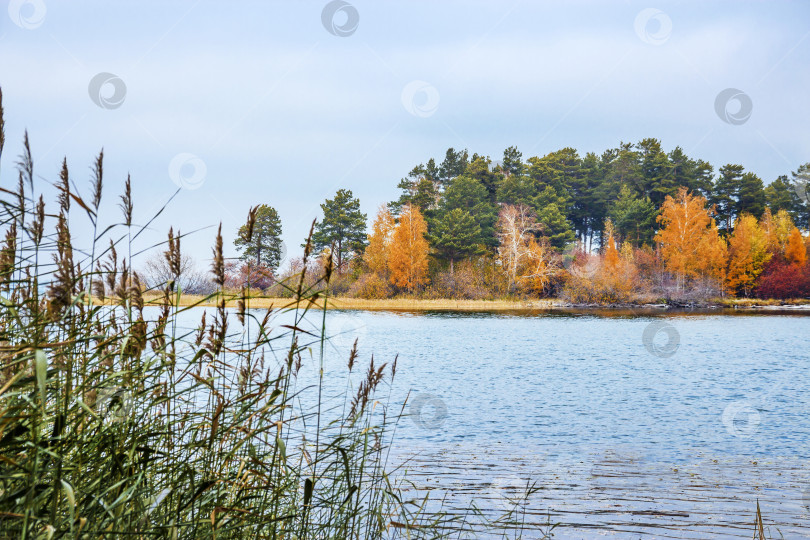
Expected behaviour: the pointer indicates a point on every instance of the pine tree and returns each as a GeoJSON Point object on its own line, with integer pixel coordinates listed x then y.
{"type": "Point", "coordinates": [633, 217]}
{"type": "Point", "coordinates": [512, 162]}
{"type": "Point", "coordinates": [262, 246]}
{"type": "Point", "coordinates": [516, 189]}
{"type": "Point", "coordinates": [657, 182]}
{"type": "Point", "coordinates": [467, 193]}
{"type": "Point", "coordinates": [780, 195]}
{"type": "Point", "coordinates": [342, 229]}
{"type": "Point", "coordinates": [751, 196]}
{"type": "Point", "coordinates": [725, 196]}
{"type": "Point", "coordinates": [455, 234]}
{"type": "Point", "coordinates": [552, 219]}
{"type": "Point", "coordinates": [453, 166]}
{"type": "Point", "coordinates": [801, 185]}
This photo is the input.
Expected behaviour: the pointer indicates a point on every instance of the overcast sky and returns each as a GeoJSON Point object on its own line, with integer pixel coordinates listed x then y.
{"type": "Point", "coordinates": [283, 103]}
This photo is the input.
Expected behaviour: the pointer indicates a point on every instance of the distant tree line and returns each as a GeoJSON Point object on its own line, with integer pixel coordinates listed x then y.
{"type": "Point", "coordinates": [469, 226]}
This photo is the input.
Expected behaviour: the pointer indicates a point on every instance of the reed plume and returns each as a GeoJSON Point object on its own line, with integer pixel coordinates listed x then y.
{"type": "Point", "coordinates": [126, 202]}
{"type": "Point", "coordinates": [64, 188]}
{"type": "Point", "coordinates": [98, 180]}
{"type": "Point", "coordinates": [218, 263]}
{"type": "Point", "coordinates": [2, 124]}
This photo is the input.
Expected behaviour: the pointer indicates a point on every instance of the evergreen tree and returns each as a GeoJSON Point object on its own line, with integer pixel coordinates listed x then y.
{"type": "Point", "coordinates": [512, 162]}
{"type": "Point", "coordinates": [343, 227]}
{"type": "Point", "coordinates": [587, 211]}
{"type": "Point", "coordinates": [469, 194]}
{"type": "Point", "coordinates": [456, 234]}
{"type": "Point", "coordinates": [516, 189]}
{"type": "Point", "coordinates": [633, 218]}
{"type": "Point", "coordinates": [263, 245]}
{"type": "Point", "coordinates": [454, 165]}
{"type": "Point", "coordinates": [622, 167]}
{"type": "Point", "coordinates": [780, 195]}
{"type": "Point", "coordinates": [420, 188]}
{"type": "Point", "coordinates": [656, 182]}
{"type": "Point", "coordinates": [751, 196]}
{"type": "Point", "coordinates": [696, 176]}
{"type": "Point", "coordinates": [801, 186]}
{"type": "Point", "coordinates": [551, 217]}
{"type": "Point", "coordinates": [725, 196]}
{"type": "Point", "coordinates": [479, 169]}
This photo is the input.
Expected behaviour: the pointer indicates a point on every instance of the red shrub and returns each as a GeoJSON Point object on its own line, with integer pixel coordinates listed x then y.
{"type": "Point", "coordinates": [783, 280]}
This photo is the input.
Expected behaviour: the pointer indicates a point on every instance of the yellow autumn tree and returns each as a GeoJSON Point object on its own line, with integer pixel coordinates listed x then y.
{"type": "Point", "coordinates": [408, 254]}
{"type": "Point", "coordinates": [689, 241]}
{"type": "Point", "coordinates": [776, 230]}
{"type": "Point", "coordinates": [379, 242]}
{"type": "Point", "coordinates": [747, 254]}
{"type": "Point", "coordinates": [796, 251]}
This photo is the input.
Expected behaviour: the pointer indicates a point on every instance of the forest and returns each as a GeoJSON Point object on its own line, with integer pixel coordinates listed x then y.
{"type": "Point", "coordinates": [635, 223]}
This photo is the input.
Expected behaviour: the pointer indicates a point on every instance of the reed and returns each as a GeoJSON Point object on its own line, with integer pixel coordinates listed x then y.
{"type": "Point", "coordinates": [118, 421]}
{"type": "Point", "coordinates": [115, 421]}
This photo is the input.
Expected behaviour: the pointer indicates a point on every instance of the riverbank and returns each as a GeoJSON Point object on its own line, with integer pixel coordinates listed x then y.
{"type": "Point", "coordinates": [530, 305]}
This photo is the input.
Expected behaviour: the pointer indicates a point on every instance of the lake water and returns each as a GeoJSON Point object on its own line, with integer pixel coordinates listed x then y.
{"type": "Point", "coordinates": [631, 426]}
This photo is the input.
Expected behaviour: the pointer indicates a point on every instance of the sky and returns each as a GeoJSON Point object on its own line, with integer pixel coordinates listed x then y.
{"type": "Point", "coordinates": [282, 103]}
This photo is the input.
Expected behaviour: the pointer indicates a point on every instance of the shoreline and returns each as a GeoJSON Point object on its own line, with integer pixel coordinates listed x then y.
{"type": "Point", "coordinates": [550, 305]}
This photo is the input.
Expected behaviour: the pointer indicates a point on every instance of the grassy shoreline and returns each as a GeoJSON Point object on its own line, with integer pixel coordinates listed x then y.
{"type": "Point", "coordinates": [533, 305]}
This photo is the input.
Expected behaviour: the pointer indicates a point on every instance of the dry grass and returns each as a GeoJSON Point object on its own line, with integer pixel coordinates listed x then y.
{"type": "Point", "coordinates": [390, 304]}
{"type": "Point", "coordinates": [449, 304]}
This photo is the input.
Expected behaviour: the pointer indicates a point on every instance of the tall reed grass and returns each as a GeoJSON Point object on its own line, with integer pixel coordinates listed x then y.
{"type": "Point", "coordinates": [115, 421]}
{"type": "Point", "coordinates": [119, 420]}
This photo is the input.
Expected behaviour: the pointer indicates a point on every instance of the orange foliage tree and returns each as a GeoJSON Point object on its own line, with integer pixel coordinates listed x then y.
{"type": "Point", "coordinates": [796, 251]}
{"type": "Point", "coordinates": [747, 254]}
{"type": "Point", "coordinates": [379, 242]}
{"type": "Point", "coordinates": [408, 254]}
{"type": "Point", "coordinates": [690, 243]}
